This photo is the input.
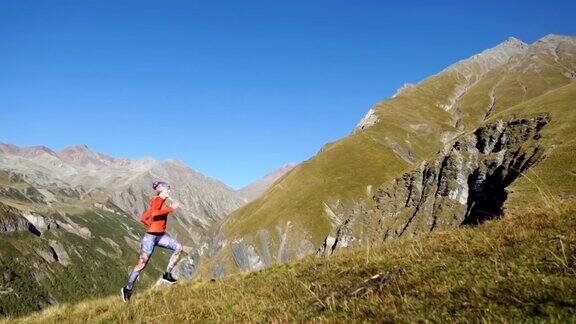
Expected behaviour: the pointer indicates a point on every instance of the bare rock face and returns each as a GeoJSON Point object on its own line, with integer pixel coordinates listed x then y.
{"type": "Point", "coordinates": [41, 223]}
{"type": "Point", "coordinates": [368, 120]}
{"type": "Point", "coordinates": [245, 256]}
{"type": "Point", "coordinates": [70, 226]}
{"type": "Point", "coordinates": [468, 185]}
{"type": "Point", "coordinates": [48, 255]}
{"type": "Point", "coordinates": [185, 268]}
{"type": "Point", "coordinates": [54, 252]}
{"type": "Point", "coordinates": [60, 253]}
{"type": "Point", "coordinates": [12, 222]}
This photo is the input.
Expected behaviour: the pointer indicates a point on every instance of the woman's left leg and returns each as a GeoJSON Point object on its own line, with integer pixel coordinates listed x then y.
{"type": "Point", "coordinates": [166, 241]}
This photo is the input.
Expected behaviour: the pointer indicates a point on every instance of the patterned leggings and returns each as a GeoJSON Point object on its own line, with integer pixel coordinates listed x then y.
{"type": "Point", "coordinates": [149, 241]}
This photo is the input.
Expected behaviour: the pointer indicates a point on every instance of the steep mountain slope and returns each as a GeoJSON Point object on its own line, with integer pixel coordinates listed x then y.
{"type": "Point", "coordinates": [68, 222]}
{"type": "Point", "coordinates": [468, 131]}
{"type": "Point", "coordinates": [257, 188]}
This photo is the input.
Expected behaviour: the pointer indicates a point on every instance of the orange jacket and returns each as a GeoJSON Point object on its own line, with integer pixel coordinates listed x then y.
{"type": "Point", "coordinates": [155, 217]}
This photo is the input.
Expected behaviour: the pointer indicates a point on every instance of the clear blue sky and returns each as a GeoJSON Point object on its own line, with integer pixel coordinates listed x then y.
{"type": "Point", "coordinates": [233, 88]}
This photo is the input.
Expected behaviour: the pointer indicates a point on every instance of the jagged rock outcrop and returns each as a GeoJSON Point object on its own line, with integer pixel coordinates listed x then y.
{"type": "Point", "coordinates": [54, 252]}
{"type": "Point", "coordinates": [465, 184]}
{"type": "Point", "coordinates": [14, 220]}
{"type": "Point", "coordinates": [59, 252]}
{"type": "Point", "coordinates": [40, 222]}
{"type": "Point", "coordinates": [245, 256]}
{"type": "Point", "coordinates": [368, 120]}
{"type": "Point", "coordinates": [11, 221]}
{"type": "Point", "coordinates": [249, 255]}
{"type": "Point", "coordinates": [185, 268]}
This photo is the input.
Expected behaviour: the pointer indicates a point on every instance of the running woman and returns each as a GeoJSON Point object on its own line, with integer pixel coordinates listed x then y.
{"type": "Point", "coordinates": [155, 220]}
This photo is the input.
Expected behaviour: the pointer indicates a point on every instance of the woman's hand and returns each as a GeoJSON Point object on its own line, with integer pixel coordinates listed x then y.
{"type": "Point", "coordinates": [174, 205]}
{"type": "Point", "coordinates": [164, 193]}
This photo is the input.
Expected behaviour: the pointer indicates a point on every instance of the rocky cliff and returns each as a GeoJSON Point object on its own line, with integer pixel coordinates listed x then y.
{"type": "Point", "coordinates": [465, 184]}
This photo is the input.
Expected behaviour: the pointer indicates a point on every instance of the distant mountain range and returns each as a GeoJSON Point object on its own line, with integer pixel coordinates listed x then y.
{"type": "Point", "coordinates": [125, 183]}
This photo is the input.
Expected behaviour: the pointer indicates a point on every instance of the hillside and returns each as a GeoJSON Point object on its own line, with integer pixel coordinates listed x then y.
{"type": "Point", "coordinates": [427, 159]}
{"type": "Point", "coordinates": [69, 228]}
{"type": "Point", "coordinates": [468, 274]}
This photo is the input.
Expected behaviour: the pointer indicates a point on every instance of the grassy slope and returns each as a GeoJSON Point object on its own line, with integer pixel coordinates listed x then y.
{"type": "Point", "coordinates": [519, 267]}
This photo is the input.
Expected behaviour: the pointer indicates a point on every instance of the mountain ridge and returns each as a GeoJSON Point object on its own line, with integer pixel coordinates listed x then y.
{"type": "Point", "coordinates": [323, 202]}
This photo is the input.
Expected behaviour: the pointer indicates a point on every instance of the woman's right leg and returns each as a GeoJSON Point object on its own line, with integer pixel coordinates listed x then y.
{"type": "Point", "coordinates": [146, 248]}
